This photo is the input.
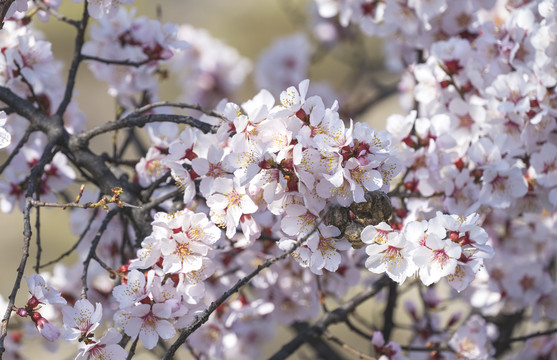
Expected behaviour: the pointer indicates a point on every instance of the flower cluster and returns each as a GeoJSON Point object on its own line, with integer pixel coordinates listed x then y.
{"type": "Point", "coordinates": [141, 42]}
{"type": "Point", "coordinates": [207, 70]}
{"type": "Point", "coordinates": [444, 247]}
{"type": "Point", "coordinates": [28, 69]}
{"type": "Point", "coordinates": [263, 213]}
{"type": "Point", "coordinates": [79, 323]}
{"type": "Point", "coordinates": [41, 294]}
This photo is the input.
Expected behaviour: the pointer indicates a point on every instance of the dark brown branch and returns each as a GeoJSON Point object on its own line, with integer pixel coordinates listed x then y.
{"type": "Point", "coordinates": [25, 109]}
{"type": "Point", "coordinates": [38, 236]}
{"type": "Point", "coordinates": [131, 353]}
{"type": "Point", "coordinates": [148, 192]}
{"type": "Point", "coordinates": [180, 105]}
{"type": "Point", "coordinates": [140, 121]}
{"type": "Point", "coordinates": [116, 62]}
{"type": "Point", "coordinates": [425, 348]}
{"type": "Point", "coordinates": [390, 311]}
{"type": "Point", "coordinates": [333, 317]}
{"type": "Point", "coordinates": [105, 266]}
{"type": "Point", "coordinates": [79, 40]}
{"type": "Point", "coordinates": [160, 200]}
{"type": "Point", "coordinates": [36, 173]}
{"type": "Point", "coordinates": [322, 349]}
{"type": "Point", "coordinates": [76, 149]}
{"type": "Point", "coordinates": [4, 7]}
{"type": "Point", "coordinates": [533, 335]}
{"type": "Point", "coordinates": [356, 330]}
{"type": "Point", "coordinates": [92, 251]}
{"type": "Point", "coordinates": [506, 324]}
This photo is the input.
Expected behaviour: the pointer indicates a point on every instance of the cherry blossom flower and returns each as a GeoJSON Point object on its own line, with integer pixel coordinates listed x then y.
{"type": "Point", "coordinates": [298, 221]}
{"type": "Point", "coordinates": [5, 137]}
{"type": "Point", "coordinates": [394, 256]}
{"type": "Point", "coordinates": [41, 292]}
{"type": "Point", "coordinates": [472, 340]}
{"type": "Point", "coordinates": [107, 348]}
{"type": "Point", "coordinates": [150, 168]}
{"type": "Point", "coordinates": [436, 258]}
{"type": "Point", "coordinates": [146, 321]}
{"type": "Point", "coordinates": [231, 201]}
{"type": "Point", "coordinates": [135, 289]}
{"type": "Point", "coordinates": [326, 247]}
{"type": "Point", "coordinates": [500, 187]}
{"type": "Point", "coordinates": [81, 320]}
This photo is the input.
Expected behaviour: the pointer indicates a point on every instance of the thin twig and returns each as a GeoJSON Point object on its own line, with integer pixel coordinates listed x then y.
{"type": "Point", "coordinates": [202, 318]}
{"type": "Point", "coordinates": [533, 335]}
{"type": "Point", "coordinates": [42, 6]}
{"type": "Point", "coordinates": [38, 235]}
{"type": "Point", "coordinates": [345, 346]}
{"type": "Point", "coordinates": [425, 348]}
{"type": "Point", "coordinates": [151, 189]}
{"type": "Point", "coordinates": [192, 351]}
{"type": "Point", "coordinates": [105, 266]}
{"type": "Point", "coordinates": [79, 40]}
{"type": "Point", "coordinates": [180, 105]}
{"type": "Point", "coordinates": [330, 318]}
{"type": "Point", "coordinates": [93, 249]}
{"type": "Point", "coordinates": [322, 349]}
{"type": "Point", "coordinates": [140, 121]}
{"type": "Point", "coordinates": [156, 202]}
{"type": "Point", "coordinates": [321, 294]}
{"type": "Point", "coordinates": [132, 349]}
{"type": "Point", "coordinates": [18, 147]}
{"type": "Point", "coordinates": [88, 205]}
{"type": "Point", "coordinates": [81, 237]}
{"type": "Point", "coordinates": [358, 331]}
{"type": "Point", "coordinates": [31, 90]}
{"type": "Point", "coordinates": [36, 173]}
{"type": "Point", "coordinates": [116, 62]}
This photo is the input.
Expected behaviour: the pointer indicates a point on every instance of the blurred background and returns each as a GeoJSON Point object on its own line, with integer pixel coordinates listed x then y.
{"type": "Point", "coordinates": [353, 69]}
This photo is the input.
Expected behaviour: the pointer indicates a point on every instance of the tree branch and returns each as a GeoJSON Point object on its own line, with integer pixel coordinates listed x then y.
{"type": "Point", "coordinates": [533, 335]}
{"type": "Point", "coordinates": [36, 173]}
{"type": "Point", "coordinates": [342, 344]}
{"type": "Point", "coordinates": [79, 40]}
{"type": "Point", "coordinates": [4, 7]}
{"type": "Point", "coordinates": [115, 62]}
{"type": "Point", "coordinates": [42, 6]}
{"type": "Point", "coordinates": [201, 319]}
{"type": "Point", "coordinates": [92, 251]}
{"type": "Point", "coordinates": [180, 105]}
{"type": "Point", "coordinates": [389, 311]}
{"type": "Point", "coordinates": [333, 317]}
{"type": "Point", "coordinates": [140, 121]}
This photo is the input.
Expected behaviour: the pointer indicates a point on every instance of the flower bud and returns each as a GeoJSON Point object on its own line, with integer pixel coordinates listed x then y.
{"type": "Point", "coordinates": [47, 330]}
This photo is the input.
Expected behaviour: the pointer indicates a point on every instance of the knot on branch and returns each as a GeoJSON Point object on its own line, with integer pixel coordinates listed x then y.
{"type": "Point", "coordinates": [353, 219]}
